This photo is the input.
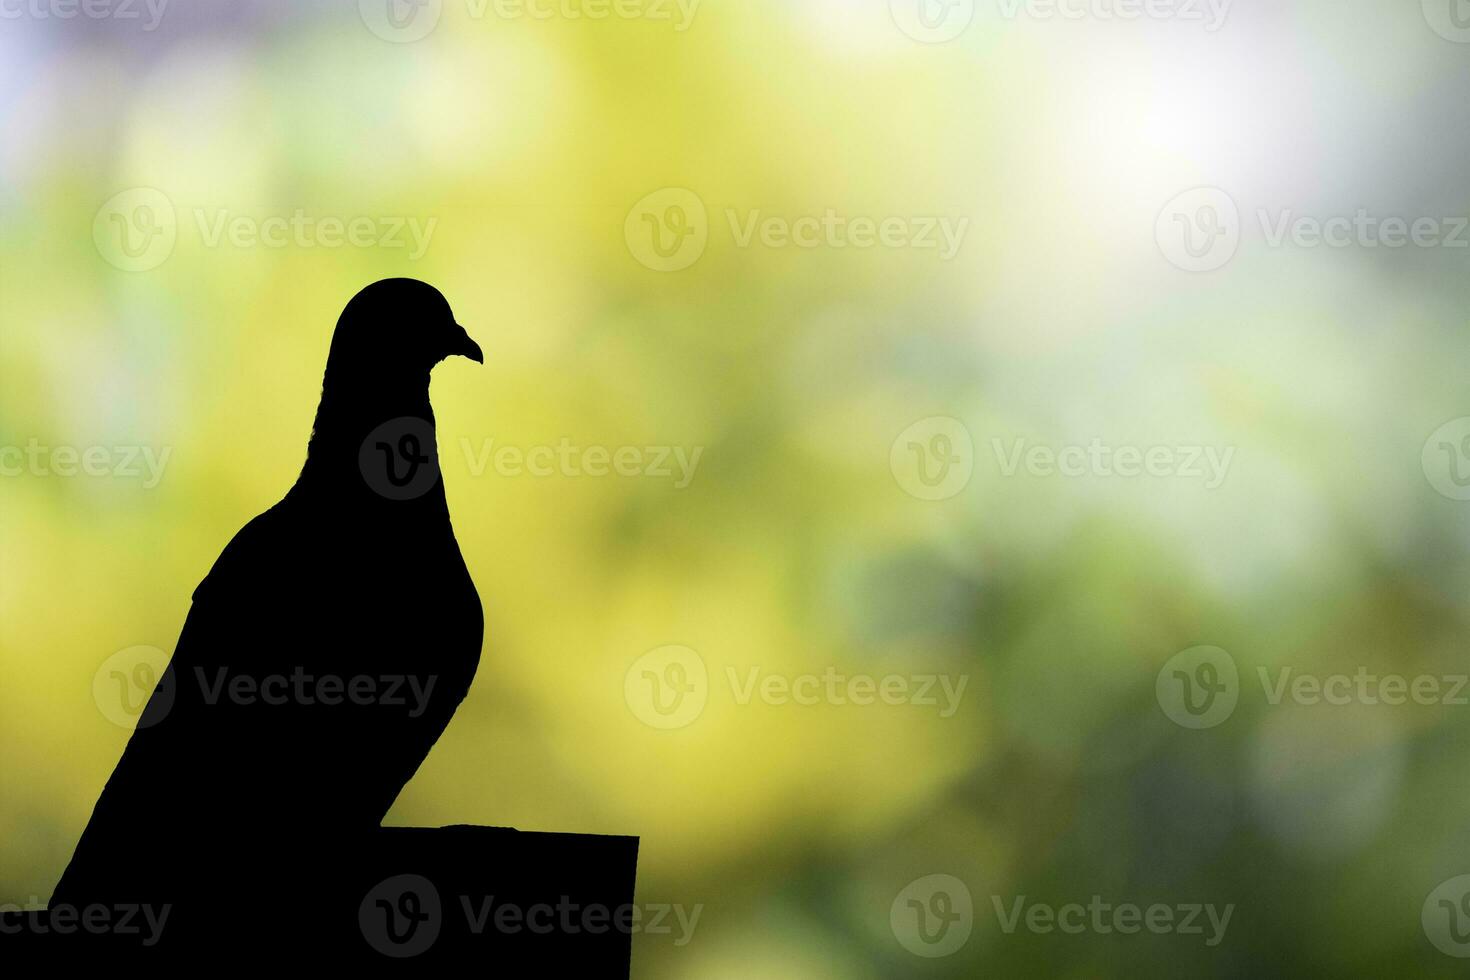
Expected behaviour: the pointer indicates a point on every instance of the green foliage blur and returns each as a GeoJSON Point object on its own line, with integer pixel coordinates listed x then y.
{"type": "Point", "coordinates": [520, 147]}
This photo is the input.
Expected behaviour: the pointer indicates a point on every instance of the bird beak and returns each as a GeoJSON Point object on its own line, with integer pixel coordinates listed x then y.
{"type": "Point", "coordinates": [465, 347]}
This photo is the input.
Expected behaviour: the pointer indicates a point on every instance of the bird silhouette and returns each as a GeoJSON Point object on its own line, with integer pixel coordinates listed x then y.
{"type": "Point", "coordinates": [323, 655]}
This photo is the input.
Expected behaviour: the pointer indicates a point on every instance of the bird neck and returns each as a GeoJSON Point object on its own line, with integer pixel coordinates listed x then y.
{"type": "Point", "coordinates": [352, 415]}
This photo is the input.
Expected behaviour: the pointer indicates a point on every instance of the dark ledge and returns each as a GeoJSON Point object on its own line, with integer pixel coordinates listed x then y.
{"type": "Point", "coordinates": [488, 899]}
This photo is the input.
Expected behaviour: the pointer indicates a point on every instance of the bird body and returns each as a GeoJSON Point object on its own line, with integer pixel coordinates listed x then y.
{"type": "Point", "coordinates": [323, 655]}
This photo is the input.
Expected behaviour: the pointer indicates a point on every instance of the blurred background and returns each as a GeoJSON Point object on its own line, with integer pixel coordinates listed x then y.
{"type": "Point", "coordinates": [1033, 444]}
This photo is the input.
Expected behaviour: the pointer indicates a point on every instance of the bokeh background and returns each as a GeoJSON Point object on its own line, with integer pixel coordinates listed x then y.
{"type": "Point", "coordinates": [1335, 542]}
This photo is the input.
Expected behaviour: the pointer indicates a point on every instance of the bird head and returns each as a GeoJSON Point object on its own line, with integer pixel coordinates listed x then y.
{"type": "Point", "coordinates": [397, 327]}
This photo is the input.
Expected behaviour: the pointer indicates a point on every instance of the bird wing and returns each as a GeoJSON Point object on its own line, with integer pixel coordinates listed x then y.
{"type": "Point", "coordinates": [242, 742]}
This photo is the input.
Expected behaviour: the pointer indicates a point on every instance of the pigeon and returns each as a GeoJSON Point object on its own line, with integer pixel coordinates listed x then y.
{"type": "Point", "coordinates": [323, 655]}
